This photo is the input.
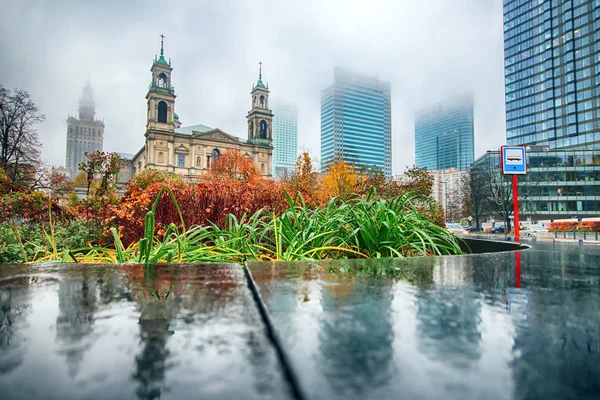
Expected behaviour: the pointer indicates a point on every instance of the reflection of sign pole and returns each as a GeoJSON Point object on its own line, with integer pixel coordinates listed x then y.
{"type": "Point", "coordinates": [512, 161]}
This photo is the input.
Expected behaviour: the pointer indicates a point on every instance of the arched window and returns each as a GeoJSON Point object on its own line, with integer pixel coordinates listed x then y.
{"type": "Point", "coordinates": [262, 169]}
{"type": "Point", "coordinates": [214, 155]}
{"type": "Point", "coordinates": [254, 101]}
{"type": "Point", "coordinates": [262, 101]}
{"type": "Point", "coordinates": [198, 161]}
{"type": "Point", "coordinates": [162, 80]}
{"type": "Point", "coordinates": [161, 157]}
{"type": "Point", "coordinates": [263, 129]}
{"type": "Point", "coordinates": [162, 111]}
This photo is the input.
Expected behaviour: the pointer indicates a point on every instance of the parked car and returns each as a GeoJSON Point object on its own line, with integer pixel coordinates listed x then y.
{"type": "Point", "coordinates": [498, 229]}
{"type": "Point", "coordinates": [456, 228]}
{"type": "Point", "coordinates": [531, 231]}
{"type": "Point", "coordinates": [473, 229]}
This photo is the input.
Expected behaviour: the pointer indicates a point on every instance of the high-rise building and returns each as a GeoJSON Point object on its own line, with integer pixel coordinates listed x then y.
{"type": "Point", "coordinates": [84, 134]}
{"type": "Point", "coordinates": [285, 139]}
{"type": "Point", "coordinates": [356, 121]}
{"type": "Point", "coordinates": [552, 71]}
{"type": "Point", "coordinates": [444, 135]}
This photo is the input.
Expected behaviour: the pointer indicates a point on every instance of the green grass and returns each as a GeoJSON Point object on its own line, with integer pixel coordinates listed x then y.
{"type": "Point", "coordinates": [365, 228]}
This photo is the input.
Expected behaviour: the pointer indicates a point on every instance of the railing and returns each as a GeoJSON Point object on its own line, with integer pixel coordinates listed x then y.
{"type": "Point", "coordinates": [155, 86]}
{"type": "Point", "coordinates": [576, 235]}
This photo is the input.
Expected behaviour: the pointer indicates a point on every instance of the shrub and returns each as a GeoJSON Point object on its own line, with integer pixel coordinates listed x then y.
{"type": "Point", "coordinates": [568, 226]}
{"type": "Point", "coordinates": [66, 235]}
{"type": "Point", "coordinates": [200, 204]}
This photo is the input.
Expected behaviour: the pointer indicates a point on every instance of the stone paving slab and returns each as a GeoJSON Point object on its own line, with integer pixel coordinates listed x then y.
{"type": "Point", "coordinates": [129, 332]}
{"type": "Point", "coordinates": [509, 325]}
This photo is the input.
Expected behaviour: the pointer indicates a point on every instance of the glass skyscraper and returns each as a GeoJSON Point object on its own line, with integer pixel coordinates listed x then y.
{"type": "Point", "coordinates": [285, 139]}
{"type": "Point", "coordinates": [444, 135]}
{"type": "Point", "coordinates": [552, 70]}
{"type": "Point", "coordinates": [356, 121]}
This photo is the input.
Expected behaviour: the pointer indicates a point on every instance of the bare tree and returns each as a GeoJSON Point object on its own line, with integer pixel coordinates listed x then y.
{"type": "Point", "coordinates": [476, 198]}
{"type": "Point", "coordinates": [20, 149]}
{"type": "Point", "coordinates": [496, 189]}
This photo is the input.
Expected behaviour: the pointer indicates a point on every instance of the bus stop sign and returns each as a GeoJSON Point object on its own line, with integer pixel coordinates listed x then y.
{"type": "Point", "coordinates": [513, 160]}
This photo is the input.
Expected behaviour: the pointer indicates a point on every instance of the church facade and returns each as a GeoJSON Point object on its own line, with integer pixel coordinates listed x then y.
{"type": "Point", "coordinates": [190, 151]}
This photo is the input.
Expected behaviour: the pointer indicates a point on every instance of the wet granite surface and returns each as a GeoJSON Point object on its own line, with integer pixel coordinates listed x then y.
{"type": "Point", "coordinates": [509, 325]}
{"type": "Point", "coordinates": [106, 332]}
{"type": "Point", "coordinates": [512, 325]}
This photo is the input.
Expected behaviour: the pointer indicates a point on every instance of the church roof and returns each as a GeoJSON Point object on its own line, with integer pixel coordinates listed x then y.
{"type": "Point", "coordinates": [187, 130]}
{"type": "Point", "coordinates": [126, 156]}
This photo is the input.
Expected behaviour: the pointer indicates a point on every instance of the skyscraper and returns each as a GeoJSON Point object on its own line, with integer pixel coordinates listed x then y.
{"type": "Point", "coordinates": [84, 134]}
{"type": "Point", "coordinates": [285, 139]}
{"type": "Point", "coordinates": [356, 121]}
{"type": "Point", "coordinates": [444, 135]}
{"type": "Point", "coordinates": [552, 71]}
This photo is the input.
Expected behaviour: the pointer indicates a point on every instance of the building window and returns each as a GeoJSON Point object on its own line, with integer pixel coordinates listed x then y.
{"type": "Point", "coordinates": [215, 155]}
{"type": "Point", "coordinates": [161, 157]}
{"type": "Point", "coordinates": [181, 160]}
{"type": "Point", "coordinates": [162, 111]}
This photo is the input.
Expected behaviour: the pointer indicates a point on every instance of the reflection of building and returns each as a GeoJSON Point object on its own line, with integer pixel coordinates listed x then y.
{"type": "Point", "coordinates": [447, 190]}
{"type": "Point", "coordinates": [356, 335]}
{"type": "Point", "coordinates": [84, 134]}
{"type": "Point", "coordinates": [356, 122]}
{"type": "Point", "coordinates": [285, 139]}
{"type": "Point", "coordinates": [552, 74]}
{"type": "Point", "coordinates": [190, 151]}
{"type": "Point", "coordinates": [558, 184]}
{"type": "Point", "coordinates": [74, 323]}
{"type": "Point", "coordinates": [444, 135]}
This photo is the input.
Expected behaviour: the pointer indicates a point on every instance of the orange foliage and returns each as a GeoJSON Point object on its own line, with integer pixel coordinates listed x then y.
{"type": "Point", "coordinates": [199, 203]}
{"type": "Point", "coordinates": [589, 226]}
{"type": "Point", "coordinates": [232, 165]}
{"type": "Point", "coordinates": [340, 180]}
{"type": "Point", "coordinates": [305, 181]}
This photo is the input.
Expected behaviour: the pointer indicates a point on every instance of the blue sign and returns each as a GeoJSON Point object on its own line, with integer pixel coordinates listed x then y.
{"type": "Point", "coordinates": [513, 160]}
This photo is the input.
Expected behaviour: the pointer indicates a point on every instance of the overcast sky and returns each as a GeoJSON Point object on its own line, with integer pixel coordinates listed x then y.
{"type": "Point", "coordinates": [429, 50]}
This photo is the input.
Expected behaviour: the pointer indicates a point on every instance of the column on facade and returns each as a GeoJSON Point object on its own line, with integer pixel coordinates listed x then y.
{"type": "Point", "coordinates": [151, 158]}
{"type": "Point", "coordinates": [170, 150]}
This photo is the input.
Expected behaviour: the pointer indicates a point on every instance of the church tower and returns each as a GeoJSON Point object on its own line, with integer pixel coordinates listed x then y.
{"type": "Point", "coordinates": [260, 117]}
{"type": "Point", "coordinates": [161, 96]}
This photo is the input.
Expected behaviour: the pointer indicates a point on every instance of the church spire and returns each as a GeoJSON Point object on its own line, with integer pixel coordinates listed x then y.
{"type": "Point", "coordinates": [260, 82]}
{"type": "Point", "coordinates": [161, 59]}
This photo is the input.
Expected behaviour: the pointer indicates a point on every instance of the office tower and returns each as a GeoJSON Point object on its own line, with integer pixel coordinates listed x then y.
{"type": "Point", "coordinates": [84, 134]}
{"type": "Point", "coordinates": [285, 139]}
{"type": "Point", "coordinates": [552, 72]}
{"type": "Point", "coordinates": [356, 121]}
{"type": "Point", "coordinates": [444, 135]}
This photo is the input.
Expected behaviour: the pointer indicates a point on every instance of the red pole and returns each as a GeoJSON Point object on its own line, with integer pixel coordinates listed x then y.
{"type": "Point", "coordinates": [515, 188]}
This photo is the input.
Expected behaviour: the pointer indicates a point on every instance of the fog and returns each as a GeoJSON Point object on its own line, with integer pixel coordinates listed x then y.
{"type": "Point", "coordinates": [429, 51]}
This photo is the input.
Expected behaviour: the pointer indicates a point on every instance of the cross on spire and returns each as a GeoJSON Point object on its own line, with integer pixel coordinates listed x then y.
{"type": "Point", "coordinates": [162, 37]}
{"type": "Point", "coordinates": [260, 70]}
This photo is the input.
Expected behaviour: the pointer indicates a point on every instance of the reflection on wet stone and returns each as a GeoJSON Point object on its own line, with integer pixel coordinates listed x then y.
{"type": "Point", "coordinates": [106, 332]}
{"type": "Point", "coordinates": [461, 327]}
{"type": "Point", "coordinates": [13, 313]}
{"type": "Point", "coordinates": [361, 358]}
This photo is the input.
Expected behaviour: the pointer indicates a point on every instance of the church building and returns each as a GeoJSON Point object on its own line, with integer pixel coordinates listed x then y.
{"type": "Point", "coordinates": [191, 150]}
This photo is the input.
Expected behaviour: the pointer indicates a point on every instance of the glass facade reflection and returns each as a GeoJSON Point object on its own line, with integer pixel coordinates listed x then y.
{"type": "Point", "coordinates": [552, 71]}
{"type": "Point", "coordinates": [356, 121]}
{"type": "Point", "coordinates": [444, 135]}
{"type": "Point", "coordinates": [558, 184]}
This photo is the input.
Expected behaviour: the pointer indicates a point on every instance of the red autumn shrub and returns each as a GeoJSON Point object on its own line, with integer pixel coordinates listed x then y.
{"type": "Point", "coordinates": [199, 203]}
{"type": "Point", "coordinates": [569, 226]}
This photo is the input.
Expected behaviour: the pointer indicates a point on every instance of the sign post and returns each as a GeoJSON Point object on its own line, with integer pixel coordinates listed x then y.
{"type": "Point", "coordinates": [512, 161]}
